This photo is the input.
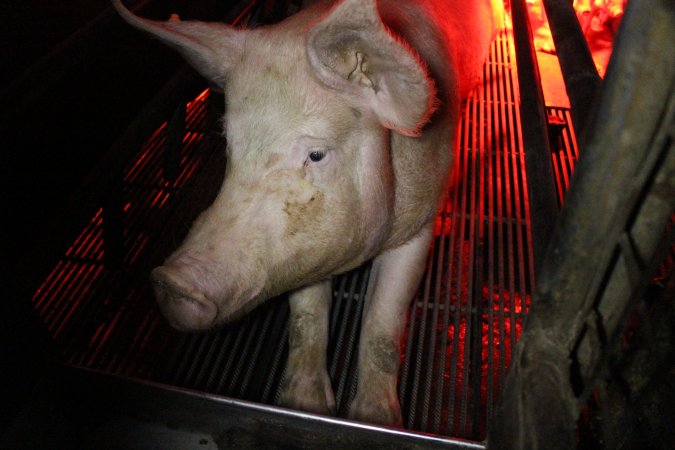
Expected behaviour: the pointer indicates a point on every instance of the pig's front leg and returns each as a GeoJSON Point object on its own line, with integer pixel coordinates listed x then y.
{"type": "Point", "coordinates": [306, 384]}
{"type": "Point", "coordinates": [394, 279]}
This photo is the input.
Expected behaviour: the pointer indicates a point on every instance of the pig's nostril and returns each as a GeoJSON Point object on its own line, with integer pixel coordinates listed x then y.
{"type": "Point", "coordinates": [185, 308]}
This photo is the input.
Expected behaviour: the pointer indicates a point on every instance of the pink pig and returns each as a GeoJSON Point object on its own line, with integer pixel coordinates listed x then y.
{"type": "Point", "coordinates": [340, 123]}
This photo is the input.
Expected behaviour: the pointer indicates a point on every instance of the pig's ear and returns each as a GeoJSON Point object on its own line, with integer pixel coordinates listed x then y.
{"type": "Point", "coordinates": [211, 48]}
{"type": "Point", "coordinates": [352, 50]}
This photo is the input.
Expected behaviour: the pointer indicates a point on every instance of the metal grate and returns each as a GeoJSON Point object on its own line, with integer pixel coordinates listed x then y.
{"type": "Point", "coordinates": [462, 326]}
{"type": "Point", "coordinates": [564, 149]}
{"type": "Point", "coordinates": [470, 307]}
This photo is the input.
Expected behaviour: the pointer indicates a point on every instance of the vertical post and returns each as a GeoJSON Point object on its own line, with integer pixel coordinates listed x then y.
{"type": "Point", "coordinates": [540, 180]}
{"type": "Point", "coordinates": [113, 223]}
{"type": "Point", "coordinates": [175, 133]}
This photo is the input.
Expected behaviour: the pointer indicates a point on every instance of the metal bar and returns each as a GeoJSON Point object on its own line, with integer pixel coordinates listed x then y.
{"type": "Point", "coordinates": [176, 361]}
{"type": "Point", "coordinates": [128, 364]}
{"type": "Point", "coordinates": [279, 360]}
{"type": "Point", "coordinates": [475, 344]}
{"type": "Point", "coordinates": [448, 304]}
{"type": "Point", "coordinates": [72, 302]}
{"type": "Point", "coordinates": [471, 168]}
{"type": "Point", "coordinates": [419, 351]}
{"type": "Point", "coordinates": [582, 81]}
{"type": "Point", "coordinates": [142, 168]}
{"type": "Point", "coordinates": [542, 195]}
{"type": "Point", "coordinates": [458, 216]}
{"type": "Point", "coordinates": [178, 375]}
{"type": "Point", "coordinates": [503, 205]}
{"type": "Point", "coordinates": [231, 359]}
{"type": "Point", "coordinates": [254, 354]}
{"type": "Point", "coordinates": [244, 355]}
{"type": "Point", "coordinates": [346, 311]}
{"type": "Point", "coordinates": [406, 366]}
{"type": "Point", "coordinates": [113, 223]}
{"type": "Point", "coordinates": [515, 145]}
{"type": "Point", "coordinates": [445, 274]}
{"type": "Point", "coordinates": [499, 144]}
{"type": "Point", "coordinates": [339, 284]}
{"type": "Point", "coordinates": [196, 368]}
{"type": "Point", "coordinates": [175, 133]}
{"type": "Point", "coordinates": [491, 98]}
{"type": "Point", "coordinates": [211, 382]}
{"type": "Point", "coordinates": [349, 376]}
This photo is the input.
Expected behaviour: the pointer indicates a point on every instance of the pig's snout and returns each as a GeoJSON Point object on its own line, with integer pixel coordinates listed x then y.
{"type": "Point", "coordinates": [185, 307]}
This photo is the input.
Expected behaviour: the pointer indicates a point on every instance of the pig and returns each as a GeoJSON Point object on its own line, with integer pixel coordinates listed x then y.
{"type": "Point", "coordinates": [340, 123]}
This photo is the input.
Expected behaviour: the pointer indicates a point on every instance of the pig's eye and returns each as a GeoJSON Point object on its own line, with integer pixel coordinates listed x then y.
{"type": "Point", "coordinates": [316, 155]}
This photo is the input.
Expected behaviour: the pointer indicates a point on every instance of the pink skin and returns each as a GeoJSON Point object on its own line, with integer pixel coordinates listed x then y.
{"type": "Point", "coordinates": [180, 293]}
{"type": "Point", "coordinates": [260, 239]}
{"type": "Point", "coordinates": [283, 219]}
{"type": "Point", "coordinates": [231, 262]}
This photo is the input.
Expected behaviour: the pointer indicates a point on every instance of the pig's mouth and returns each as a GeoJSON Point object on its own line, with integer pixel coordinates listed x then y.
{"type": "Point", "coordinates": [185, 309]}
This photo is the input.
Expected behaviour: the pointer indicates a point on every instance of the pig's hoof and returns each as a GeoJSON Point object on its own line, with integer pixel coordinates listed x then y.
{"type": "Point", "coordinates": [308, 392]}
{"type": "Point", "coordinates": [377, 410]}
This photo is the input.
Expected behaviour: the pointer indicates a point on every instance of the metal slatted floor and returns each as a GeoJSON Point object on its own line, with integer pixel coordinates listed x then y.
{"type": "Point", "coordinates": [462, 324]}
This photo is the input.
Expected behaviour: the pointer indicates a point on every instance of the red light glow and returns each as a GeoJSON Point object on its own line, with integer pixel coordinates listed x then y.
{"type": "Point", "coordinates": [599, 20]}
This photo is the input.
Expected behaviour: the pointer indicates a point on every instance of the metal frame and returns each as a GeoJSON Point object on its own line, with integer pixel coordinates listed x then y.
{"type": "Point", "coordinates": [581, 77]}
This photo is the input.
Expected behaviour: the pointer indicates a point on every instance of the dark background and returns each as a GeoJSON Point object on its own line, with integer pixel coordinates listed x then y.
{"type": "Point", "coordinates": [73, 76]}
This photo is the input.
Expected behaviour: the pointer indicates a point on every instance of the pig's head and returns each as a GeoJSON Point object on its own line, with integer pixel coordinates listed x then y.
{"type": "Point", "coordinates": [309, 189]}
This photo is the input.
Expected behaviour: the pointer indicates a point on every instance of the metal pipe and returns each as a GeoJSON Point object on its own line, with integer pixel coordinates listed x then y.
{"type": "Point", "coordinates": [175, 133]}
{"type": "Point", "coordinates": [579, 72]}
{"type": "Point", "coordinates": [540, 180]}
{"type": "Point", "coordinates": [113, 223]}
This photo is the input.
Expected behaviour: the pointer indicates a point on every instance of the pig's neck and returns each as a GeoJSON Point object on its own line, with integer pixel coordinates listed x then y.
{"type": "Point", "coordinates": [421, 165]}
